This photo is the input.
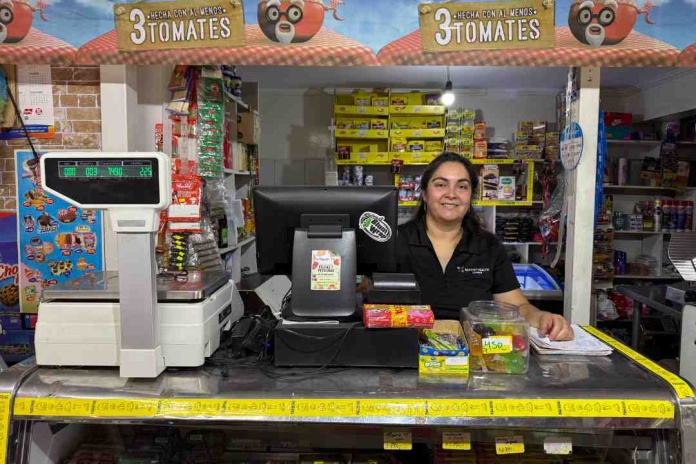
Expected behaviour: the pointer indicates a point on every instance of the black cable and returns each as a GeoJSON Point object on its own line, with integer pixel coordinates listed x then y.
{"type": "Point", "coordinates": [21, 121]}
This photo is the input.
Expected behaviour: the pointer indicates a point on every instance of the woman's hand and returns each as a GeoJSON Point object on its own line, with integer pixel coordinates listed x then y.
{"type": "Point", "coordinates": [555, 326]}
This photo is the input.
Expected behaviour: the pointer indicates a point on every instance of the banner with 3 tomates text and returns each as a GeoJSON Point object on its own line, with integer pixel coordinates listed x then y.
{"type": "Point", "coordinates": [618, 33]}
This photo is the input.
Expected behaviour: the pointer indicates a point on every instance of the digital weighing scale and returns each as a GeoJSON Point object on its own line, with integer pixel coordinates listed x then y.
{"type": "Point", "coordinates": [132, 319]}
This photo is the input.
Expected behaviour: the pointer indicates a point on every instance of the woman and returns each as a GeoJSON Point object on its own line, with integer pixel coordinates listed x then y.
{"type": "Point", "coordinates": [454, 260]}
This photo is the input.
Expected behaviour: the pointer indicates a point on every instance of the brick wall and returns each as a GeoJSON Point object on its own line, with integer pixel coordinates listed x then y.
{"type": "Point", "coordinates": [78, 123]}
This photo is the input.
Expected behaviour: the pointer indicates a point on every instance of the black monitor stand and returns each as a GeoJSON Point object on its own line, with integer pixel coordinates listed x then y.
{"type": "Point", "coordinates": [322, 245]}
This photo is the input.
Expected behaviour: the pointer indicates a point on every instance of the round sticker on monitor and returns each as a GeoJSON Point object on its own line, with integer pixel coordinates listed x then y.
{"type": "Point", "coordinates": [375, 226]}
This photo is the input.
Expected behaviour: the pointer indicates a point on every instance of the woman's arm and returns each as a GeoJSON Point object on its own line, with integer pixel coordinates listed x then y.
{"type": "Point", "coordinates": [553, 325]}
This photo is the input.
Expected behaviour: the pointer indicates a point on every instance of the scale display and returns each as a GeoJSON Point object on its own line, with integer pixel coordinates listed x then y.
{"type": "Point", "coordinates": [105, 170]}
{"type": "Point", "coordinates": [107, 180]}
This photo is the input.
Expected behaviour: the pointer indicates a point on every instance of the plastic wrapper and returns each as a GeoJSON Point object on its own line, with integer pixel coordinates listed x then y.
{"type": "Point", "coordinates": [550, 217]}
{"type": "Point", "coordinates": [381, 316]}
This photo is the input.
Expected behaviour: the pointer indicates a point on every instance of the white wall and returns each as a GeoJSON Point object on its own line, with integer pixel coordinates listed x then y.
{"type": "Point", "coordinates": [674, 93]}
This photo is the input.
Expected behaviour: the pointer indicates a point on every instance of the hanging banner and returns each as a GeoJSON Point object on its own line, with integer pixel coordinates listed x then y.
{"type": "Point", "coordinates": [57, 242]}
{"type": "Point", "coordinates": [449, 27]}
{"type": "Point", "coordinates": [569, 33]}
{"type": "Point", "coordinates": [174, 25]}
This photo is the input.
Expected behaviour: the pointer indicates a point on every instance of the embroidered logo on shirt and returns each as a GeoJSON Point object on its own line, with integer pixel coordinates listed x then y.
{"type": "Point", "coordinates": [473, 270]}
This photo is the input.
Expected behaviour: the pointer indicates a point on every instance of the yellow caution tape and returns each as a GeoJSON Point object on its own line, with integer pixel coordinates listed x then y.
{"type": "Point", "coordinates": [680, 386]}
{"type": "Point", "coordinates": [344, 408]}
{"type": "Point", "coordinates": [4, 424]}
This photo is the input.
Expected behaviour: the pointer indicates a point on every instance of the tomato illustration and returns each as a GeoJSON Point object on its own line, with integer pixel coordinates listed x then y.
{"type": "Point", "coordinates": [604, 23]}
{"type": "Point", "coordinates": [16, 18]}
{"type": "Point", "coordinates": [292, 21]}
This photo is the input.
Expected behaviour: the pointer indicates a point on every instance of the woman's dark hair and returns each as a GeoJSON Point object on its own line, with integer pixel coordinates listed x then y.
{"type": "Point", "coordinates": [471, 222]}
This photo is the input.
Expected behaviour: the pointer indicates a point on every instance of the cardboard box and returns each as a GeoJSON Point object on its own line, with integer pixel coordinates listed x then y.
{"type": "Point", "coordinates": [506, 188]}
{"type": "Point", "coordinates": [445, 362]}
{"type": "Point", "coordinates": [490, 177]}
{"type": "Point", "coordinates": [618, 125]}
{"type": "Point", "coordinates": [9, 264]}
{"type": "Point", "coordinates": [248, 128]}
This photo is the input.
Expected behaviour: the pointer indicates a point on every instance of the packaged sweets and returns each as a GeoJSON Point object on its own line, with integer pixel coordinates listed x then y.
{"type": "Point", "coordinates": [480, 131]}
{"type": "Point", "coordinates": [416, 145]}
{"type": "Point", "coordinates": [498, 337]}
{"type": "Point", "coordinates": [383, 316]}
{"type": "Point", "coordinates": [380, 101]}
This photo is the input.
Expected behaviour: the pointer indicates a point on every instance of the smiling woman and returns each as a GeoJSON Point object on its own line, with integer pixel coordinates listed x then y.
{"type": "Point", "coordinates": [454, 260]}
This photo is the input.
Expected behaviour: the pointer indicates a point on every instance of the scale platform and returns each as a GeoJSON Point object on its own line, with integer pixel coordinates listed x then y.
{"type": "Point", "coordinates": [103, 286]}
{"type": "Point", "coordinates": [79, 321]}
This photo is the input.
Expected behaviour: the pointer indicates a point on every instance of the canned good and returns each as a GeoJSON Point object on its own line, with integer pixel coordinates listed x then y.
{"type": "Point", "coordinates": [369, 180]}
{"type": "Point", "coordinates": [666, 215]}
{"type": "Point", "coordinates": [657, 215]}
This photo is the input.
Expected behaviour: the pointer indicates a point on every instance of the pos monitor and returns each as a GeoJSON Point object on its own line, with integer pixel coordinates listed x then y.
{"type": "Point", "coordinates": [322, 237]}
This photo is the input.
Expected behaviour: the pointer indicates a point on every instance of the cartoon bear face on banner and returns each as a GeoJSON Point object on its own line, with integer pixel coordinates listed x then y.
{"type": "Point", "coordinates": [293, 21]}
{"type": "Point", "coordinates": [605, 22]}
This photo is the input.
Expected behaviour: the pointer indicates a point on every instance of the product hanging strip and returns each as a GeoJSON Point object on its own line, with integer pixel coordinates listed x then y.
{"type": "Point", "coordinates": [350, 408]}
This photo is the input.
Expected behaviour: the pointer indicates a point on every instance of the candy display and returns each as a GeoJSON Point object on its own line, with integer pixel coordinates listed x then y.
{"type": "Point", "coordinates": [443, 350]}
{"type": "Point", "coordinates": [498, 337]}
{"type": "Point", "coordinates": [382, 316]}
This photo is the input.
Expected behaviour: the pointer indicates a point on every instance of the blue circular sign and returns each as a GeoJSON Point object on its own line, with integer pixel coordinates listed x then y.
{"type": "Point", "coordinates": [572, 142]}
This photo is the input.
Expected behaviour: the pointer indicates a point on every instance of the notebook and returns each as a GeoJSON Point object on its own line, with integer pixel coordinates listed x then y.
{"type": "Point", "coordinates": [584, 344]}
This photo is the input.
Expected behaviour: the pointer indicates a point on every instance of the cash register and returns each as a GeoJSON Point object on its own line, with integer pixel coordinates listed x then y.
{"type": "Point", "coordinates": [132, 318]}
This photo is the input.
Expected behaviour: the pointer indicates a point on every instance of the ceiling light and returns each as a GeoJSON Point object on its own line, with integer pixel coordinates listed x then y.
{"type": "Point", "coordinates": [448, 96]}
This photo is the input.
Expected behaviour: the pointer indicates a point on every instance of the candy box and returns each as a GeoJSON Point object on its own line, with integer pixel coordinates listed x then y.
{"type": "Point", "coordinates": [490, 174]}
{"type": "Point", "coordinates": [9, 264]}
{"type": "Point", "coordinates": [443, 350]}
{"type": "Point", "coordinates": [362, 100]}
{"type": "Point", "coordinates": [383, 316]}
{"type": "Point", "coordinates": [343, 123]}
{"type": "Point", "coordinates": [506, 188]}
{"type": "Point", "coordinates": [16, 345]}
{"type": "Point", "coordinates": [398, 144]}
{"type": "Point", "coordinates": [416, 145]}
{"type": "Point", "coordinates": [380, 101]}
{"type": "Point", "coordinates": [378, 123]}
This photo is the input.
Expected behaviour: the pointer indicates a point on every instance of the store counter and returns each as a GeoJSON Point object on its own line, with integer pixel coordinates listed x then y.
{"type": "Point", "coordinates": [623, 391]}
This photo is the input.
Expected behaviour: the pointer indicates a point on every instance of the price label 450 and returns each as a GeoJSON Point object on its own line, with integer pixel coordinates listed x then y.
{"type": "Point", "coordinates": [497, 345]}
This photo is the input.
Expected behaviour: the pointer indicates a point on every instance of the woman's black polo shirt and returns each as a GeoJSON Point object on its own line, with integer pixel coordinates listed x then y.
{"type": "Point", "coordinates": [479, 268]}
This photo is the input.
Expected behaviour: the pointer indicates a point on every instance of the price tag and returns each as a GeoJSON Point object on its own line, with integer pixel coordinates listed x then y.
{"type": "Point", "coordinates": [460, 441]}
{"type": "Point", "coordinates": [509, 445]}
{"type": "Point", "coordinates": [417, 109]}
{"type": "Point", "coordinates": [362, 109]}
{"type": "Point", "coordinates": [4, 424]}
{"type": "Point", "coordinates": [497, 345]}
{"type": "Point", "coordinates": [417, 133]}
{"type": "Point", "coordinates": [398, 441]}
{"type": "Point", "coordinates": [362, 157]}
{"type": "Point", "coordinates": [558, 445]}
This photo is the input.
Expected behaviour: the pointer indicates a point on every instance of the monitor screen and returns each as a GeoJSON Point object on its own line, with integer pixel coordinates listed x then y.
{"type": "Point", "coordinates": [372, 212]}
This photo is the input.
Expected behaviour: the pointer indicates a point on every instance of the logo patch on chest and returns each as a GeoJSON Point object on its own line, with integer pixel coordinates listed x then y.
{"type": "Point", "coordinates": [475, 271]}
